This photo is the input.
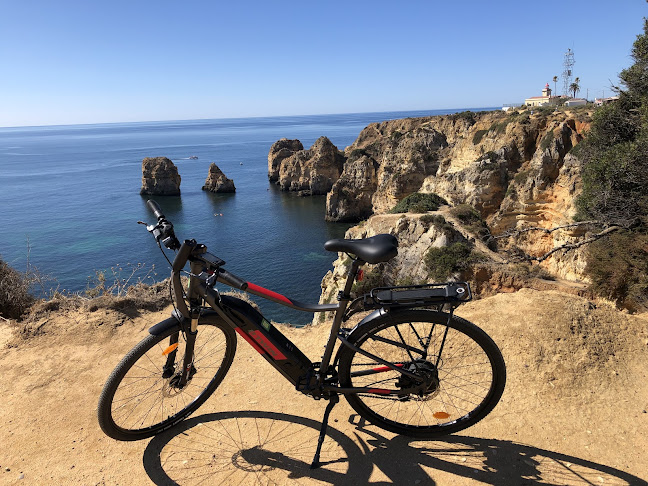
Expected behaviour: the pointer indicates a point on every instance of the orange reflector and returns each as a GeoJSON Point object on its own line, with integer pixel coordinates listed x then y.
{"type": "Point", "coordinates": [360, 275]}
{"type": "Point", "coordinates": [440, 415]}
{"type": "Point", "coordinates": [170, 349]}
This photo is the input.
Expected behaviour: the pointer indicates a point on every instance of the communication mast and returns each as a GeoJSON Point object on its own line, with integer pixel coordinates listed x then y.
{"type": "Point", "coordinates": [568, 65]}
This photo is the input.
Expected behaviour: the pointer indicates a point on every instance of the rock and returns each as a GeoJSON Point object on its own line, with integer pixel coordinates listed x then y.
{"type": "Point", "coordinates": [387, 162]}
{"type": "Point", "coordinates": [416, 233]}
{"type": "Point", "coordinates": [280, 150]}
{"type": "Point", "coordinates": [350, 198]}
{"type": "Point", "coordinates": [516, 169]}
{"type": "Point", "coordinates": [160, 177]}
{"type": "Point", "coordinates": [314, 170]}
{"type": "Point", "coordinates": [217, 181]}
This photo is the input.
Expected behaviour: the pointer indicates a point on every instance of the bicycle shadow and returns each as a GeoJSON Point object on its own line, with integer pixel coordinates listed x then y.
{"type": "Point", "coordinates": [253, 447]}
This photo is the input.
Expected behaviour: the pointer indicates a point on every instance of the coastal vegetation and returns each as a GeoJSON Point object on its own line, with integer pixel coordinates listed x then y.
{"type": "Point", "coordinates": [444, 261]}
{"type": "Point", "coordinates": [15, 292]}
{"type": "Point", "coordinates": [419, 203]}
{"type": "Point", "coordinates": [615, 186]}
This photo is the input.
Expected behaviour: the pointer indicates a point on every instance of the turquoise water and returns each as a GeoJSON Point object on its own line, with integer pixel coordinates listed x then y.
{"type": "Point", "coordinates": [71, 194]}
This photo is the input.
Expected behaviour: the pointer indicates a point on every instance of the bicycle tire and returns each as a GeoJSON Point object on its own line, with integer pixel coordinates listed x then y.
{"type": "Point", "coordinates": [470, 374]}
{"type": "Point", "coordinates": [126, 416]}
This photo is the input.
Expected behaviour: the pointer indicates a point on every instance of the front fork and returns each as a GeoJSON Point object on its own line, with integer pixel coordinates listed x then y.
{"type": "Point", "coordinates": [188, 367]}
{"type": "Point", "coordinates": [187, 363]}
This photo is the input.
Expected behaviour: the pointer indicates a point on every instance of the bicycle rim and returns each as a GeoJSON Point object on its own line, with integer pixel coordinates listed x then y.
{"type": "Point", "coordinates": [140, 399]}
{"type": "Point", "coordinates": [464, 368]}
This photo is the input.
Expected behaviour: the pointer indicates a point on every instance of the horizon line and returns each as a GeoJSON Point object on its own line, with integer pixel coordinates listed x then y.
{"type": "Point", "coordinates": [484, 108]}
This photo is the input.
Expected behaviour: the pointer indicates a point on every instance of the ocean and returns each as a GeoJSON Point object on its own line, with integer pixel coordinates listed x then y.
{"type": "Point", "coordinates": [69, 201]}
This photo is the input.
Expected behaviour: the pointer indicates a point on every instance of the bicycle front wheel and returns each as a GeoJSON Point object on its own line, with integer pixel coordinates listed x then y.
{"type": "Point", "coordinates": [142, 397]}
{"type": "Point", "coordinates": [461, 373]}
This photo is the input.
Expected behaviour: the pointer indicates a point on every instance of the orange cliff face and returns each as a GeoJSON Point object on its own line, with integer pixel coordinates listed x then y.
{"type": "Point", "coordinates": [515, 168]}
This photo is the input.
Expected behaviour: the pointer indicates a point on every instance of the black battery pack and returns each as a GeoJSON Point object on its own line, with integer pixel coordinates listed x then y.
{"type": "Point", "coordinates": [268, 341]}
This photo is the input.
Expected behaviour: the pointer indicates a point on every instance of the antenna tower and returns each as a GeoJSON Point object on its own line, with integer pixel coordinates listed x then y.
{"type": "Point", "coordinates": [568, 65]}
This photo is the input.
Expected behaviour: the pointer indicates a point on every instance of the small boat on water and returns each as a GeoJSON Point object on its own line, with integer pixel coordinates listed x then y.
{"type": "Point", "coordinates": [193, 157]}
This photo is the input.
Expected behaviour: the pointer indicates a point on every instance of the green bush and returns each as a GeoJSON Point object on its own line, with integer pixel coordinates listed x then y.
{"type": "Point", "coordinates": [469, 116]}
{"type": "Point", "coordinates": [371, 280]}
{"type": "Point", "coordinates": [419, 202]}
{"type": "Point", "coordinates": [618, 268]}
{"type": "Point", "coordinates": [444, 261]}
{"type": "Point", "coordinates": [531, 271]}
{"type": "Point", "coordinates": [15, 295]}
{"type": "Point", "coordinates": [615, 186]}
{"type": "Point", "coordinates": [477, 137]}
{"type": "Point", "coordinates": [500, 127]}
{"type": "Point", "coordinates": [437, 221]}
{"type": "Point", "coordinates": [471, 219]}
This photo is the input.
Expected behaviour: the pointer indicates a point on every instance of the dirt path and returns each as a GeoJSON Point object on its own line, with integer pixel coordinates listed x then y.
{"type": "Point", "coordinates": [574, 410]}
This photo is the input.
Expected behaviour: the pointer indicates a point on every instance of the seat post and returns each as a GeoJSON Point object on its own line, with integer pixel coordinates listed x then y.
{"type": "Point", "coordinates": [343, 301]}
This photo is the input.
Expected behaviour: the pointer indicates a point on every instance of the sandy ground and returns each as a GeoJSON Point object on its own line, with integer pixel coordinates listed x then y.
{"type": "Point", "coordinates": [574, 410]}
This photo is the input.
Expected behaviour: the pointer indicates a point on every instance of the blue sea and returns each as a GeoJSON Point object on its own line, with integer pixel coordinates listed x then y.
{"type": "Point", "coordinates": [69, 200]}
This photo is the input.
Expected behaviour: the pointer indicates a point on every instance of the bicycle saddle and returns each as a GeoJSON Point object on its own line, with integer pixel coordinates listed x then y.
{"type": "Point", "coordinates": [379, 248]}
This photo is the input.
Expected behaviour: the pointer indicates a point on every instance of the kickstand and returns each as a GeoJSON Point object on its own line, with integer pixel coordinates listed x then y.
{"type": "Point", "coordinates": [332, 401]}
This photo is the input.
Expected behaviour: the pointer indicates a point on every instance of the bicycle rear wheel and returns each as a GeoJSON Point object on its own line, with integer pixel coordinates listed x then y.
{"type": "Point", "coordinates": [142, 397]}
{"type": "Point", "coordinates": [462, 368]}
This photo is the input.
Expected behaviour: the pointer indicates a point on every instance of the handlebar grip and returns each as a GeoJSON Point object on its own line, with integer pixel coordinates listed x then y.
{"type": "Point", "coordinates": [155, 208]}
{"type": "Point", "coordinates": [232, 280]}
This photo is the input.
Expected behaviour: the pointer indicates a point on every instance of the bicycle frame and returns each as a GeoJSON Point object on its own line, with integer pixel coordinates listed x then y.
{"type": "Point", "coordinates": [316, 379]}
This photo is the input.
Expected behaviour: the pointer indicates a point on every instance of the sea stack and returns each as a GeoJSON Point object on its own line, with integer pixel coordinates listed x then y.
{"type": "Point", "coordinates": [217, 181]}
{"type": "Point", "coordinates": [280, 150]}
{"type": "Point", "coordinates": [312, 171]}
{"type": "Point", "coordinates": [160, 177]}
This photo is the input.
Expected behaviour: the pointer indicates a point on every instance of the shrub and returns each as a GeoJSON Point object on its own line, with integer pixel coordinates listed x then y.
{"type": "Point", "coordinates": [443, 261]}
{"type": "Point", "coordinates": [371, 280]}
{"type": "Point", "coordinates": [500, 127]}
{"type": "Point", "coordinates": [469, 116]}
{"type": "Point", "coordinates": [531, 271]}
{"type": "Point", "coordinates": [419, 202]}
{"type": "Point", "coordinates": [618, 268]}
{"type": "Point", "coordinates": [471, 219]}
{"type": "Point", "coordinates": [522, 176]}
{"type": "Point", "coordinates": [546, 140]}
{"type": "Point", "coordinates": [490, 155]}
{"type": "Point", "coordinates": [15, 296]}
{"type": "Point", "coordinates": [437, 221]}
{"type": "Point", "coordinates": [477, 137]}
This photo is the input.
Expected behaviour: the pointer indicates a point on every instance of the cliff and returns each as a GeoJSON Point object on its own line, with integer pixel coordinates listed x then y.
{"type": "Point", "coordinates": [516, 169]}
{"type": "Point", "coordinates": [160, 177]}
{"type": "Point", "coordinates": [217, 181]}
{"type": "Point", "coordinates": [314, 170]}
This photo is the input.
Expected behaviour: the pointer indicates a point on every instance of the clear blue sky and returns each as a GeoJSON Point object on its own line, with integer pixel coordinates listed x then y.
{"type": "Point", "coordinates": [85, 61]}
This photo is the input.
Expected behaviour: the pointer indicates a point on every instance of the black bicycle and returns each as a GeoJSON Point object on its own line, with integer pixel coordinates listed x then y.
{"type": "Point", "coordinates": [410, 366]}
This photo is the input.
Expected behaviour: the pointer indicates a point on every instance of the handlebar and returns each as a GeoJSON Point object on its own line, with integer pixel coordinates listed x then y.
{"type": "Point", "coordinates": [155, 208]}
{"type": "Point", "coordinates": [163, 230]}
{"type": "Point", "coordinates": [232, 280]}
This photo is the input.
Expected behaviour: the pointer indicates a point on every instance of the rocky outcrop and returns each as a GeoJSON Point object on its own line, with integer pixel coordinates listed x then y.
{"type": "Point", "coordinates": [314, 170]}
{"type": "Point", "coordinates": [280, 150]}
{"type": "Point", "coordinates": [217, 181]}
{"type": "Point", "coordinates": [415, 233]}
{"type": "Point", "coordinates": [387, 162]}
{"type": "Point", "coordinates": [160, 177]}
{"type": "Point", "coordinates": [517, 169]}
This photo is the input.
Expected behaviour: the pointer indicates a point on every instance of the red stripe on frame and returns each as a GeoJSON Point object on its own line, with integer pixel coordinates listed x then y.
{"type": "Point", "coordinates": [250, 340]}
{"type": "Point", "coordinates": [380, 391]}
{"type": "Point", "coordinates": [267, 345]}
{"type": "Point", "coordinates": [386, 368]}
{"type": "Point", "coordinates": [267, 293]}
